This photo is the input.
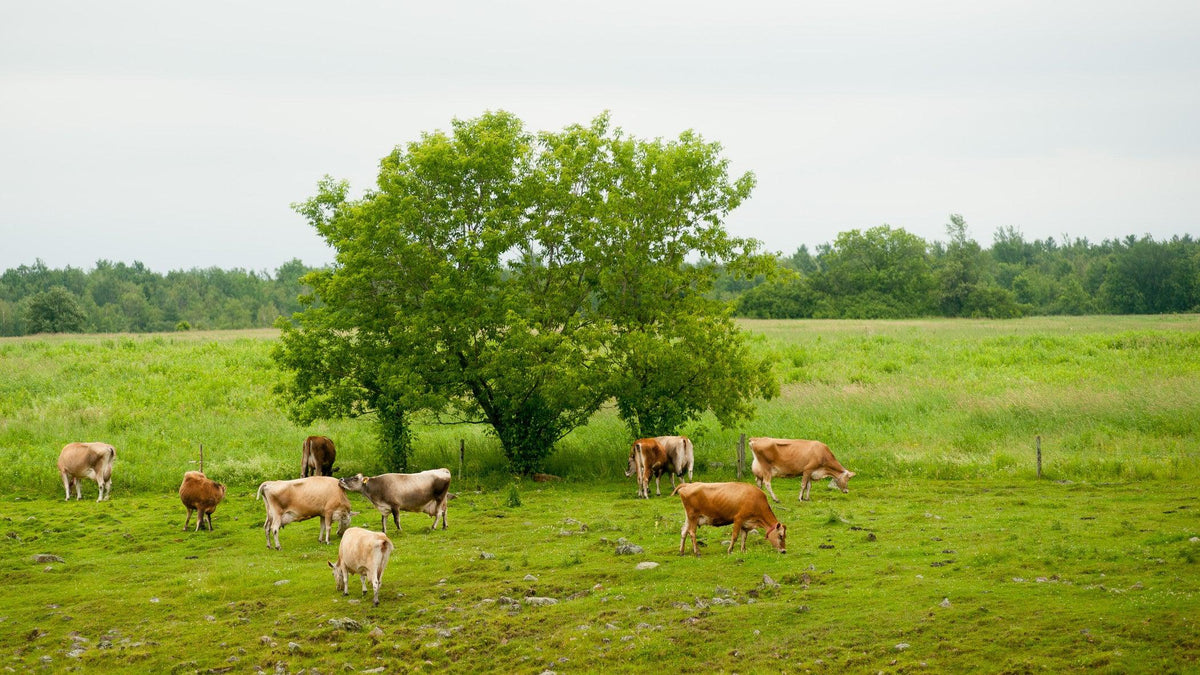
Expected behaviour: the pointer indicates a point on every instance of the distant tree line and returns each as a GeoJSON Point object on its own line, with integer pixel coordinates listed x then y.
{"type": "Point", "coordinates": [879, 273]}
{"type": "Point", "coordinates": [888, 273]}
{"type": "Point", "coordinates": [116, 297]}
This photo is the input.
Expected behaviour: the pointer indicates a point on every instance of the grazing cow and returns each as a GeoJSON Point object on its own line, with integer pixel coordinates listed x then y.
{"type": "Point", "coordinates": [718, 504]}
{"type": "Point", "coordinates": [426, 492]}
{"type": "Point", "coordinates": [656, 456]}
{"type": "Point", "coordinates": [788, 458]}
{"type": "Point", "coordinates": [364, 553]}
{"type": "Point", "coordinates": [200, 494]}
{"type": "Point", "coordinates": [289, 501]}
{"type": "Point", "coordinates": [317, 457]}
{"type": "Point", "coordinates": [87, 460]}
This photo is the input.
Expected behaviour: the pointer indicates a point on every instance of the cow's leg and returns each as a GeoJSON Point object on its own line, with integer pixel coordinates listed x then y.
{"type": "Point", "coordinates": [185, 520]}
{"type": "Point", "coordinates": [323, 536]}
{"type": "Point", "coordinates": [805, 482]}
{"type": "Point", "coordinates": [733, 538]}
{"type": "Point", "coordinates": [66, 484]}
{"type": "Point", "coordinates": [683, 536]}
{"type": "Point", "coordinates": [396, 519]}
{"type": "Point", "coordinates": [766, 484]}
{"type": "Point", "coordinates": [363, 578]}
{"type": "Point", "coordinates": [208, 520]}
{"type": "Point", "coordinates": [657, 486]}
{"type": "Point", "coordinates": [383, 522]}
{"type": "Point", "coordinates": [375, 585]}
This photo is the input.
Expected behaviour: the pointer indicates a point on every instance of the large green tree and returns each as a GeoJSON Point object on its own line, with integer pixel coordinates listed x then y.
{"type": "Point", "coordinates": [521, 281]}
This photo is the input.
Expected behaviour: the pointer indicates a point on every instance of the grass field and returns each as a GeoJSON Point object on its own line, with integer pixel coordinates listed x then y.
{"type": "Point", "coordinates": [947, 555]}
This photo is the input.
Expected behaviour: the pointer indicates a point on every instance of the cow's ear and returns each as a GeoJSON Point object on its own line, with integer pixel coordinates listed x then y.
{"type": "Point", "coordinates": [366, 478]}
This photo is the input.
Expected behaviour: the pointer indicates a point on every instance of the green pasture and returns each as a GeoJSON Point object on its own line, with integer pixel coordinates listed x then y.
{"type": "Point", "coordinates": [947, 555]}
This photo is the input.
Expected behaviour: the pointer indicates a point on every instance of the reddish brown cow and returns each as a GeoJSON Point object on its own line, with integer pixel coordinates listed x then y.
{"type": "Point", "coordinates": [200, 494]}
{"type": "Point", "coordinates": [652, 457]}
{"type": "Point", "coordinates": [787, 458]}
{"type": "Point", "coordinates": [317, 457]}
{"type": "Point", "coordinates": [719, 504]}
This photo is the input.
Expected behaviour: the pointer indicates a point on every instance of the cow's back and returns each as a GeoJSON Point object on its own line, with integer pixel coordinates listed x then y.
{"type": "Point", "coordinates": [79, 457]}
{"type": "Point", "coordinates": [790, 457]}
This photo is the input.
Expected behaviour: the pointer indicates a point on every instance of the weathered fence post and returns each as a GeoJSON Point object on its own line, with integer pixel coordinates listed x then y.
{"type": "Point", "coordinates": [1039, 456]}
{"type": "Point", "coordinates": [741, 455]}
{"type": "Point", "coordinates": [201, 458]}
{"type": "Point", "coordinates": [462, 453]}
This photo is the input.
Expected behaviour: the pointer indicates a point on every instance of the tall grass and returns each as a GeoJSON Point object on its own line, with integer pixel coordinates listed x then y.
{"type": "Point", "coordinates": [1113, 398]}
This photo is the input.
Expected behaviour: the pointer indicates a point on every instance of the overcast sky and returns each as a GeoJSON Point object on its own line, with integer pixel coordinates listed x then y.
{"type": "Point", "coordinates": [178, 134]}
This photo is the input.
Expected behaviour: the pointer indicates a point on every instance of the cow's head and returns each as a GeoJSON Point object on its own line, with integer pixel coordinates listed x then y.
{"type": "Point", "coordinates": [339, 576]}
{"type": "Point", "coordinates": [777, 535]}
{"type": "Point", "coordinates": [352, 483]}
{"type": "Point", "coordinates": [632, 467]}
{"type": "Point", "coordinates": [343, 518]}
{"type": "Point", "coordinates": [843, 479]}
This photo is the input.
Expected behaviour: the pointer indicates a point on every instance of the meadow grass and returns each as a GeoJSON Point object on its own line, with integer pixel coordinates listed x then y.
{"type": "Point", "coordinates": [946, 543]}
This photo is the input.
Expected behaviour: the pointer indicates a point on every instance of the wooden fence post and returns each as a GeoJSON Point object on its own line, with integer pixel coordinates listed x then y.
{"type": "Point", "coordinates": [741, 455]}
{"type": "Point", "coordinates": [1039, 456]}
{"type": "Point", "coordinates": [462, 452]}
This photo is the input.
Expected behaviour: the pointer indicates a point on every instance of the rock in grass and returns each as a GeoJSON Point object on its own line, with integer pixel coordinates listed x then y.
{"type": "Point", "coordinates": [945, 602]}
{"type": "Point", "coordinates": [629, 549]}
{"type": "Point", "coordinates": [646, 565]}
{"type": "Point", "coordinates": [540, 602]}
{"type": "Point", "coordinates": [484, 555]}
{"type": "Point", "coordinates": [47, 558]}
{"type": "Point", "coordinates": [902, 646]}
{"type": "Point", "coordinates": [345, 624]}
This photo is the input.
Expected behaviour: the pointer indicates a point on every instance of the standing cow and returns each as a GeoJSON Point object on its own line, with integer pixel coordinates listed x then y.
{"type": "Point", "coordinates": [316, 459]}
{"type": "Point", "coordinates": [425, 492]}
{"type": "Point", "coordinates": [652, 457]}
{"type": "Point", "coordinates": [87, 460]}
{"type": "Point", "coordinates": [364, 553]}
{"type": "Point", "coordinates": [289, 501]}
{"type": "Point", "coordinates": [718, 504]}
{"type": "Point", "coordinates": [788, 458]}
{"type": "Point", "coordinates": [199, 493]}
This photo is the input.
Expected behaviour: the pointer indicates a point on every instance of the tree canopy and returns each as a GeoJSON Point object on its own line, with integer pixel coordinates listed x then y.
{"type": "Point", "coordinates": [524, 280]}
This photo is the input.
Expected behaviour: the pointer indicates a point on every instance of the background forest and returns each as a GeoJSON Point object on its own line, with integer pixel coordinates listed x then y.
{"type": "Point", "coordinates": [882, 272]}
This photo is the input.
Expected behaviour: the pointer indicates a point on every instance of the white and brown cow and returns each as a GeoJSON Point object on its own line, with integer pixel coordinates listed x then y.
{"type": "Point", "coordinates": [201, 494]}
{"type": "Point", "coordinates": [317, 457]}
{"type": "Point", "coordinates": [289, 501]}
{"type": "Point", "coordinates": [425, 492]}
{"type": "Point", "coordinates": [787, 458]}
{"type": "Point", "coordinates": [718, 504]}
{"type": "Point", "coordinates": [87, 460]}
{"type": "Point", "coordinates": [652, 457]}
{"type": "Point", "coordinates": [364, 553]}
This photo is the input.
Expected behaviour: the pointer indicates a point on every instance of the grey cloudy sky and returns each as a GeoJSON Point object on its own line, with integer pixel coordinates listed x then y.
{"type": "Point", "coordinates": [177, 134]}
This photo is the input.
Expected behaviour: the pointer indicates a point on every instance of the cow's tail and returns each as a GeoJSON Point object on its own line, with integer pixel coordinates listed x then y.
{"type": "Point", "coordinates": [261, 491]}
{"type": "Point", "coordinates": [691, 456]}
{"type": "Point", "coordinates": [678, 488]}
{"type": "Point", "coordinates": [305, 453]}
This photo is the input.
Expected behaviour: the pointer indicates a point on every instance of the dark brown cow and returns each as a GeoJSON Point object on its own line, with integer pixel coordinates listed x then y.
{"type": "Point", "coordinates": [652, 457]}
{"type": "Point", "coordinates": [200, 494]}
{"type": "Point", "coordinates": [317, 457]}
{"type": "Point", "coordinates": [787, 458]}
{"type": "Point", "coordinates": [740, 504]}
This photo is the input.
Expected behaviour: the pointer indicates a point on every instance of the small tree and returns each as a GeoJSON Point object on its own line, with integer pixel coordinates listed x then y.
{"type": "Point", "coordinates": [55, 310]}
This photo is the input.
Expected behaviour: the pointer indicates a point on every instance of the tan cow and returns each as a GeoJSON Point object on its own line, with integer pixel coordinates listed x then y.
{"type": "Point", "coordinates": [788, 458]}
{"type": "Point", "coordinates": [426, 492]}
{"type": "Point", "coordinates": [199, 493]}
{"type": "Point", "coordinates": [718, 504]}
{"type": "Point", "coordinates": [364, 553]}
{"type": "Point", "coordinates": [652, 457]}
{"type": "Point", "coordinates": [317, 456]}
{"type": "Point", "coordinates": [87, 460]}
{"type": "Point", "coordinates": [289, 501]}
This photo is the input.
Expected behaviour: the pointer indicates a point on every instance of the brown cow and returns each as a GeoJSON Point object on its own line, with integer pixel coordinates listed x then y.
{"type": "Point", "coordinates": [719, 504]}
{"type": "Point", "coordinates": [202, 495]}
{"type": "Point", "coordinates": [317, 457]}
{"type": "Point", "coordinates": [652, 457]}
{"type": "Point", "coordinates": [87, 460]}
{"type": "Point", "coordinates": [364, 553]}
{"type": "Point", "coordinates": [788, 458]}
{"type": "Point", "coordinates": [289, 501]}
